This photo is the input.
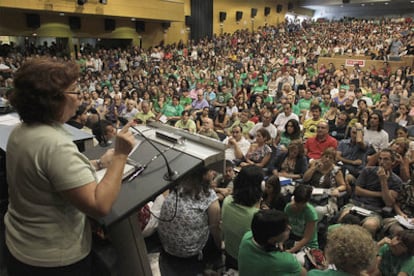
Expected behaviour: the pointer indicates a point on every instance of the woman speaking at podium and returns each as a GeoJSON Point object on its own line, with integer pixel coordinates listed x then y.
{"type": "Point", "coordinates": [52, 186]}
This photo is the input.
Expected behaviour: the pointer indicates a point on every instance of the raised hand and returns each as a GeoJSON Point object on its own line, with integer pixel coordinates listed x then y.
{"type": "Point", "coordinates": [125, 140]}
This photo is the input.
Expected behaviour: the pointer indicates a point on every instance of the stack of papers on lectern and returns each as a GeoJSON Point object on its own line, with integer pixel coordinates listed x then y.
{"type": "Point", "coordinates": [128, 170]}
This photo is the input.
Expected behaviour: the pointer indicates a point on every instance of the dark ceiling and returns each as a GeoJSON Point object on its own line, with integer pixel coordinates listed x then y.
{"type": "Point", "coordinates": [359, 8]}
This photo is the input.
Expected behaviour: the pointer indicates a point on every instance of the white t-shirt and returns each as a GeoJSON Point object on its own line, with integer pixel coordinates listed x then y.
{"type": "Point", "coordinates": [378, 139]}
{"type": "Point", "coordinates": [243, 145]}
{"type": "Point", "coordinates": [282, 119]}
{"type": "Point", "coordinates": [271, 128]}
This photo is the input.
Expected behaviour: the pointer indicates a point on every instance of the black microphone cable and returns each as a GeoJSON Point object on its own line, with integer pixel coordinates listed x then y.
{"type": "Point", "coordinates": [170, 175]}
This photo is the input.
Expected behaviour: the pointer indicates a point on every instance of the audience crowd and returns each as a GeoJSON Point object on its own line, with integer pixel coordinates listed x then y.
{"type": "Point", "coordinates": [345, 130]}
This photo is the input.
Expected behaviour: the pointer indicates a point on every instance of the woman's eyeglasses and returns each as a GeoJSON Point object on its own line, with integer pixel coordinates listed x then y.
{"type": "Point", "coordinates": [73, 92]}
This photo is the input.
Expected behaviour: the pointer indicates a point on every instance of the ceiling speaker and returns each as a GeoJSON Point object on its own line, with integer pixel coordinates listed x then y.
{"type": "Point", "coordinates": [33, 20]}
{"type": "Point", "coordinates": [239, 15]}
{"type": "Point", "coordinates": [253, 13]}
{"type": "Point", "coordinates": [74, 22]}
{"type": "Point", "coordinates": [109, 24]}
{"type": "Point", "coordinates": [222, 16]}
{"type": "Point", "coordinates": [279, 8]}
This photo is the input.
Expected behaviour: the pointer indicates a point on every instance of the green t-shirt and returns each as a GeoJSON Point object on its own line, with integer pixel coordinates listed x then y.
{"type": "Point", "coordinates": [333, 226]}
{"type": "Point", "coordinates": [170, 110]}
{"type": "Point", "coordinates": [268, 99]}
{"type": "Point", "coordinates": [324, 108]}
{"type": "Point", "coordinates": [284, 140]}
{"type": "Point", "coordinates": [392, 265]}
{"type": "Point", "coordinates": [328, 272]}
{"type": "Point", "coordinates": [258, 89]}
{"type": "Point", "coordinates": [237, 221]}
{"type": "Point", "coordinates": [298, 222]}
{"type": "Point", "coordinates": [255, 261]}
{"type": "Point", "coordinates": [296, 110]}
{"type": "Point", "coordinates": [304, 104]}
{"type": "Point", "coordinates": [374, 97]}
{"type": "Point", "coordinates": [184, 101]}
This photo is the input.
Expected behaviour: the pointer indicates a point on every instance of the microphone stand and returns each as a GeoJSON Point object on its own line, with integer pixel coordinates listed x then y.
{"type": "Point", "coordinates": [103, 142]}
{"type": "Point", "coordinates": [170, 175]}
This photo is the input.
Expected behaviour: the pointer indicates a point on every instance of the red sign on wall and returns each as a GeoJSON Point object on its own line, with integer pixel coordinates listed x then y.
{"type": "Point", "coordinates": [352, 62]}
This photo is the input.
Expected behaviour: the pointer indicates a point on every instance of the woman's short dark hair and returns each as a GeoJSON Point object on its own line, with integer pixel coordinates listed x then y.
{"type": "Point", "coordinates": [330, 151]}
{"type": "Point", "coordinates": [99, 130]}
{"type": "Point", "coordinates": [403, 128]}
{"type": "Point", "coordinates": [297, 144]}
{"type": "Point", "coordinates": [81, 110]}
{"type": "Point", "coordinates": [265, 133]}
{"type": "Point", "coordinates": [361, 100]}
{"type": "Point", "coordinates": [267, 224]}
{"type": "Point", "coordinates": [39, 85]}
{"type": "Point", "coordinates": [302, 193]}
{"type": "Point", "coordinates": [407, 238]}
{"type": "Point", "coordinates": [247, 186]}
{"type": "Point", "coordinates": [316, 107]}
{"type": "Point", "coordinates": [194, 183]}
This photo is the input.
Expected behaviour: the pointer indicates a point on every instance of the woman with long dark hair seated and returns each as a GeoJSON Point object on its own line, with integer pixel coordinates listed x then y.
{"type": "Point", "coordinates": [272, 196]}
{"type": "Point", "coordinates": [292, 132]}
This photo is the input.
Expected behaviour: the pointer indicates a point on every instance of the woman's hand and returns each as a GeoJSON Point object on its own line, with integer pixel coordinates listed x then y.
{"type": "Point", "coordinates": [334, 192]}
{"type": "Point", "coordinates": [125, 140]}
{"type": "Point", "coordinates": [244, 164]}
{"type": "Point", "coordinates": [385, 240]}
{"type": "Point", "coordinates": [106, 158]}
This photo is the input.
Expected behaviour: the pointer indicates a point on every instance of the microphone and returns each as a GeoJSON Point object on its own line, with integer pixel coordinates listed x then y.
{"type": "Point", "coordinates": [170, 175]}
{"type": "Point", "coordinates": [103, 142]}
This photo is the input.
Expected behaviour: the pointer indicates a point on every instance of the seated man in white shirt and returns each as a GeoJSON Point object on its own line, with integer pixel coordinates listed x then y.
{"type": "Point", "coordinates": [237, 145]}
{"type": "Point", "coordinates": [284, 117]}
{"type": "Point", "coordinates": [267, 124]}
